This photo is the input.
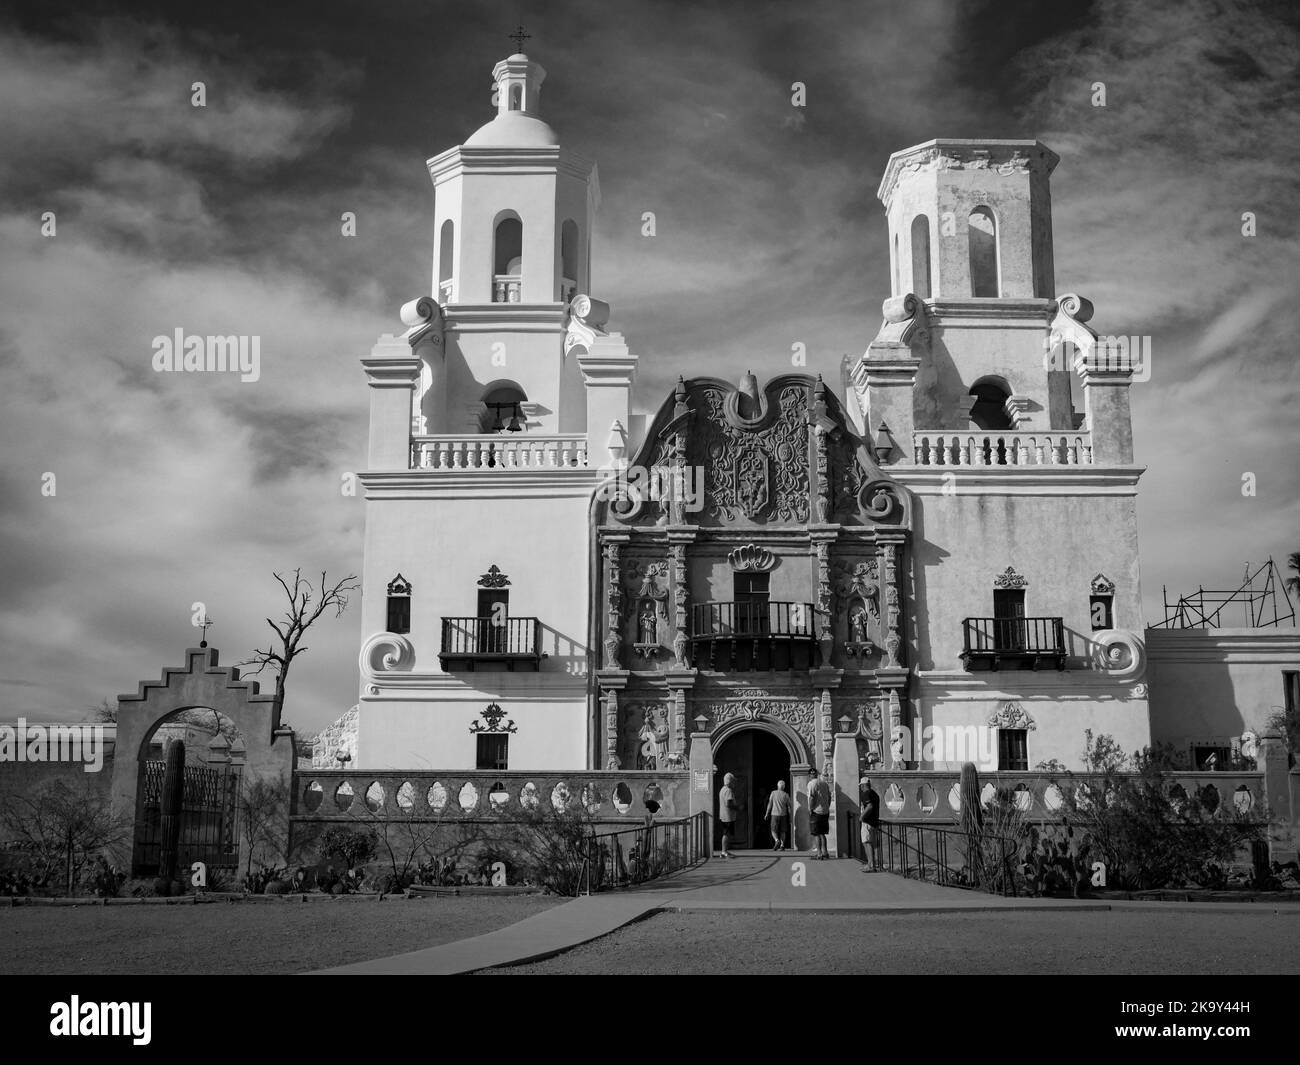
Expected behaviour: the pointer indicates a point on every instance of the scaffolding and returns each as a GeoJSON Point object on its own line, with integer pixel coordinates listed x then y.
{"type": "Point", "coordinates": [1255, 601]}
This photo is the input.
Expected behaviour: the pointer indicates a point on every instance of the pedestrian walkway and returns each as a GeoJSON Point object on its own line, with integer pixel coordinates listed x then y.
{"type": "Point", "coordinates": [752, 880]}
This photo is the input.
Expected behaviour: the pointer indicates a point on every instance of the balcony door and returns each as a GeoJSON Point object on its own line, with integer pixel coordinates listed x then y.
{"type": "Point", "coordinates": [493, 620]}
{"type": "Point", "coordinates": [1009, 619]}
{"type": "Point", "coordinates": [751, 598]}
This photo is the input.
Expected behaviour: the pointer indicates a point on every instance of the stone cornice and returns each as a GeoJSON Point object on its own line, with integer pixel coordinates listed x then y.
{"type": "Point", "coordinates": [505, 317]}
{"type": "Point", "coordinates": [531, 160]}
{"type": "Point", "coordinates": [945, 153]}
{"type": "Point", "coordinates": [470, 484]}
{"type": "Point", "coordinates": [1024, 684]}
{"type": "Point", "coordinates": [1277, 645]}
{"type": "Point", "coordinates": [1034, 312]}
{"type": "Point", "coordinates": [1019, 480]}
{"type": "Point", "coordinates": [392, 373]}
{"type": "Point", "coordinates": [408, 685]}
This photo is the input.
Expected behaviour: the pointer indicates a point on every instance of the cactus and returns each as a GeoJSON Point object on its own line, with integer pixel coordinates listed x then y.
{"type": "Point", "coordinates": [972, 819]}
{"type": "Point", "coordinates": [1056, 859]}
{"type": "Point", "coordinates": [173, 795]}
{"type": "Point", "coordinates": [277, 887]}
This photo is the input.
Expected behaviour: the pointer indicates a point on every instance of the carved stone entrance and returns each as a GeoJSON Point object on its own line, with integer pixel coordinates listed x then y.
{"type": "Point", "coordinates": [757, 759]}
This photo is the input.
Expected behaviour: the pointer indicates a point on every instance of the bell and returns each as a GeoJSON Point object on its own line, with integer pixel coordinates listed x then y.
{"type": "Point", "coordinates": [514, 426]}
{"type": "Point", "coordinates": [497, 424]}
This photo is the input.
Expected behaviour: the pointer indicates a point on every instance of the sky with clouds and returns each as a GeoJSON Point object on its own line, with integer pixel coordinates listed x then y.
{"type": "Point", "coordinates": [184, 488]}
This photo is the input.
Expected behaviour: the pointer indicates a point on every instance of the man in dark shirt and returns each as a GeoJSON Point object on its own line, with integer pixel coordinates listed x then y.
{"type": "Point", "coordinates": [870, 826]}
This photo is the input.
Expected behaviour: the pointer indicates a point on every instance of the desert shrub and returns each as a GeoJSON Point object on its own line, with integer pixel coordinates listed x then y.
{"type": "Point", "coordinates": [1146, 838]}
{"type": "Point", "coordinates": [352, 848]}
{"type": "Point", "coordinates": [102, 880]}
{"type": "Point", "coordinates": [552, 847]}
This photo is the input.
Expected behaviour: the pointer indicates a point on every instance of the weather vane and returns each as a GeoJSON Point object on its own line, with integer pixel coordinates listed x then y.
{"type": "Point", "coordinates": [519, 36]}
{"type": "Point", "coordinates": [205, 624]}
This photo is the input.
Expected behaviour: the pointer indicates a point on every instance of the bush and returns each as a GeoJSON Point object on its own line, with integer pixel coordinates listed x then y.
{"type": "Point", "coordinates": [255, 882]}
{"type": "Point", "coordinates": [349, 847]}
{"type": "Point", "coordinates": [1146, 838]}
{"type": "Point", "coordinates": [103, 880]}
{"type": "Point", "coordinates": [277, 887]}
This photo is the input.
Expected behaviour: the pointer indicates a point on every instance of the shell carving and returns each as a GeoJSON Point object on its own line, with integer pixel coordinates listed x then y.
{"type": "Point", "coordinates": [751, 557]}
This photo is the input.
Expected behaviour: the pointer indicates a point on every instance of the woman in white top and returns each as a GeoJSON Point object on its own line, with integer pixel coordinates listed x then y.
{"type": "Point", "coordinates": [727, 810]}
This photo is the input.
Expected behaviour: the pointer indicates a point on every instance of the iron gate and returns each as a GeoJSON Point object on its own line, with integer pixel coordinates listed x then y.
{"type": "Point", "coordinates": [209, 821]}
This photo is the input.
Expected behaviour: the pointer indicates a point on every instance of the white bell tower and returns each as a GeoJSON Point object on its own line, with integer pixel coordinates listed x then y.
{"type": "Point", "coordinates": [513, 214]}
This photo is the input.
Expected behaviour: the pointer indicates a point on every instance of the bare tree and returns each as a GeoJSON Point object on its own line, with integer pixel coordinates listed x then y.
{"type": "Point", "coordinates": [264, 819]}
{"type": "Point", "coordinates": [62, 827]}
{"type": "Point", "coordinates": [304, 608]}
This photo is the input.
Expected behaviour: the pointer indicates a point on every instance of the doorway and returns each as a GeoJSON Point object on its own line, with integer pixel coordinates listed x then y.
{"type": "Point", "coordinates": [757, 759]}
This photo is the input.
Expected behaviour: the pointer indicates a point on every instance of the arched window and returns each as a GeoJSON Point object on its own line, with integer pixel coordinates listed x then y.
{"type": "Point", "coordinates": [921, 256]}
{"type": "Point", "coordinates": [989, 410]}
{"type": "Point", "coordinates": [568, 260]}
{"type": "Point", "coordinates": [503, 410]}
{"type": "Point", "coordinates": [507, 260]}
{"type": "Point", "coordinates": [446, 256]}
{"type": "Point", "coordinates": [516, 97]}
{"type": "Point", "coordinates": [983, 237]}
{"type": "Point", "coordinates": [399, 605]}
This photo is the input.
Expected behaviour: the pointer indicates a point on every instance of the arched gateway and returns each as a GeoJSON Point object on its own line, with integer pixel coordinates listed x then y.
{"type": "Point", "coordinates": [200, 684]}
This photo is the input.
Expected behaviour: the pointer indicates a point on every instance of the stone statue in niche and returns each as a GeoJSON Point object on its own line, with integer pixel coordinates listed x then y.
{"type": "Point", "coordinates": [654, 741]}
{"type": "Point", "coordinates": [647, 625]}
{"type": "Point", "coordinates": [858, 623]}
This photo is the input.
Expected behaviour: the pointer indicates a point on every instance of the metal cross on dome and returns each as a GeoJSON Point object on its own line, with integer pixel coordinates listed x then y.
{"type": "Point", "coordinates": [519, 36]}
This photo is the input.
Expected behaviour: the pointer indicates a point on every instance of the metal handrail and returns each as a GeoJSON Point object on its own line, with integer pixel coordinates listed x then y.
{"type": "Point", "coordinates": [928, 844]}
{"type": "Point", "coordinates": [626, 857]}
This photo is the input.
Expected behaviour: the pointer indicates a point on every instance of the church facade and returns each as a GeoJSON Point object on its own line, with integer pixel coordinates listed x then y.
{"type": "Point", "coordinates": [563, 574]}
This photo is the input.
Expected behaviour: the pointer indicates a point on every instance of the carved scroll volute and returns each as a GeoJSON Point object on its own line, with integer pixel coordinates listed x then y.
{"type": "Point", "coordinates": [681, 639]}
{"type": "Point", "coordinates": [613, 605]}
{"type": "Point", "coordinates": [612, 760]}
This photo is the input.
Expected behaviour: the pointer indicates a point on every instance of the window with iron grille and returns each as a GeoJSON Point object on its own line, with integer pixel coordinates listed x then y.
{"type": "Point", "coordinates": [493, 751]}
{"type": "Point", "coordinates": [1013, 749]}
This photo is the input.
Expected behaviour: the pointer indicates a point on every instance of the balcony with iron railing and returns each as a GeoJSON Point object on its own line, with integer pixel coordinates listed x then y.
{"type": "Point", "coordinates": [468, 643]}
{"type": "Point", "coordinates": [755, 635]}
{"type": "Point", "coordinates": [523, 451]}
{"type": "Point", "coordinates": [937, 447]}
{"type": "Point", "coordinates": [991, 643]}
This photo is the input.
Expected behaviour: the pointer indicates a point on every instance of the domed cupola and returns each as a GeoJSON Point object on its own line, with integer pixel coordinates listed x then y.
{"type": "Point", "coordinates": [516, 125]}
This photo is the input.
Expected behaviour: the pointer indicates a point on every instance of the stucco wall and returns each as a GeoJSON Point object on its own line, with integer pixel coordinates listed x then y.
{"type": "Point", "coordinates": [1211, 684]}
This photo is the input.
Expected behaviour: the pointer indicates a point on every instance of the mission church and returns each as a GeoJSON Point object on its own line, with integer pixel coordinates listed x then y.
{"type": "Point", "coordinates": [945, 537]}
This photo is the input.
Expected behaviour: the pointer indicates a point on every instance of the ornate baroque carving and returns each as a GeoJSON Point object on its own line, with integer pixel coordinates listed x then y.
{"type": "Point", "coordinates": [1011, 715]}
{"type": "Point", "coordinates": [613, 605]}
{"type": "Point", "coordinates": [1102, 585]}
{"type": "Point", "coordinates": [387, 651]}
{"type": "Point", "coordinates": [750, 557]}
{"type": "Point", "coordinates": [493, 715]}
{"type": "Point", "coordinates": [493, 578]}
{"type": "Point", "coordinates": [799, 714]}
{"type": "Point", "coordinates": [889, 579]}
{"type": "Point", "coordinates": [612, 760]}
{"type": "Point", "coordinates": [677, 552]}
{"type": "Point", "coordinates": [1010, 579]}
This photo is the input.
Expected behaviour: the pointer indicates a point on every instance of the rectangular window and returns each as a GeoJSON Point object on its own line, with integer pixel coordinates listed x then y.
{"type": "Point", "coordinates": [751, 598]}
{"type": "Point", "coordinates": [493, 751]}
{"type": "Point", "coordinates": [399, 613]}
{"type": "Point", "coordinates": [1013, 749]}
{"type": "Point", "coordinates": [1291, 692]}
{"type": "Point", "coordinates": [1099, 608]}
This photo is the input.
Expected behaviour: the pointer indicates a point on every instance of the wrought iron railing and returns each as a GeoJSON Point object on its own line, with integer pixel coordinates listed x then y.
{"type": "Point", "coordinates": [1043, 636]}
{"type": "Point", "coordinates": [950, 857]}
{"type": "Point", "coordinates": [489, 637]}
{"type": "Point", "coordinates": [748, 619]}
{"type": "Point", "coordinates": [630, 856]}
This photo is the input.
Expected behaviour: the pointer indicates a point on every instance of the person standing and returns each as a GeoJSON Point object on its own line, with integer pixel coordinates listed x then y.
{"type": "Point", "coordinates": [819, 809]}
{"type": "Point", "coordinates": [870, 826]}
{"type": "Point", "coordinates": [778, 815]}
{"type": "Point", "coordinates": [728, 808]}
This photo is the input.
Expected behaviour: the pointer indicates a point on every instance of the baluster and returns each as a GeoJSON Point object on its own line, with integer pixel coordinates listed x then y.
{"type": "Point", "coordinates": [932, 452]}
{"type": "Point", "coordinates": [1022, 450]}
{"type": "Point", "coordinates": [1085, 453]}
{"type": "Point", "coordinates": [966, 450]}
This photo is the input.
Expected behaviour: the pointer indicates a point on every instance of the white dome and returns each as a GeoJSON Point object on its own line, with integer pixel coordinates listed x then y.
{"type": "Point", "coordinates": [513, 130]}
